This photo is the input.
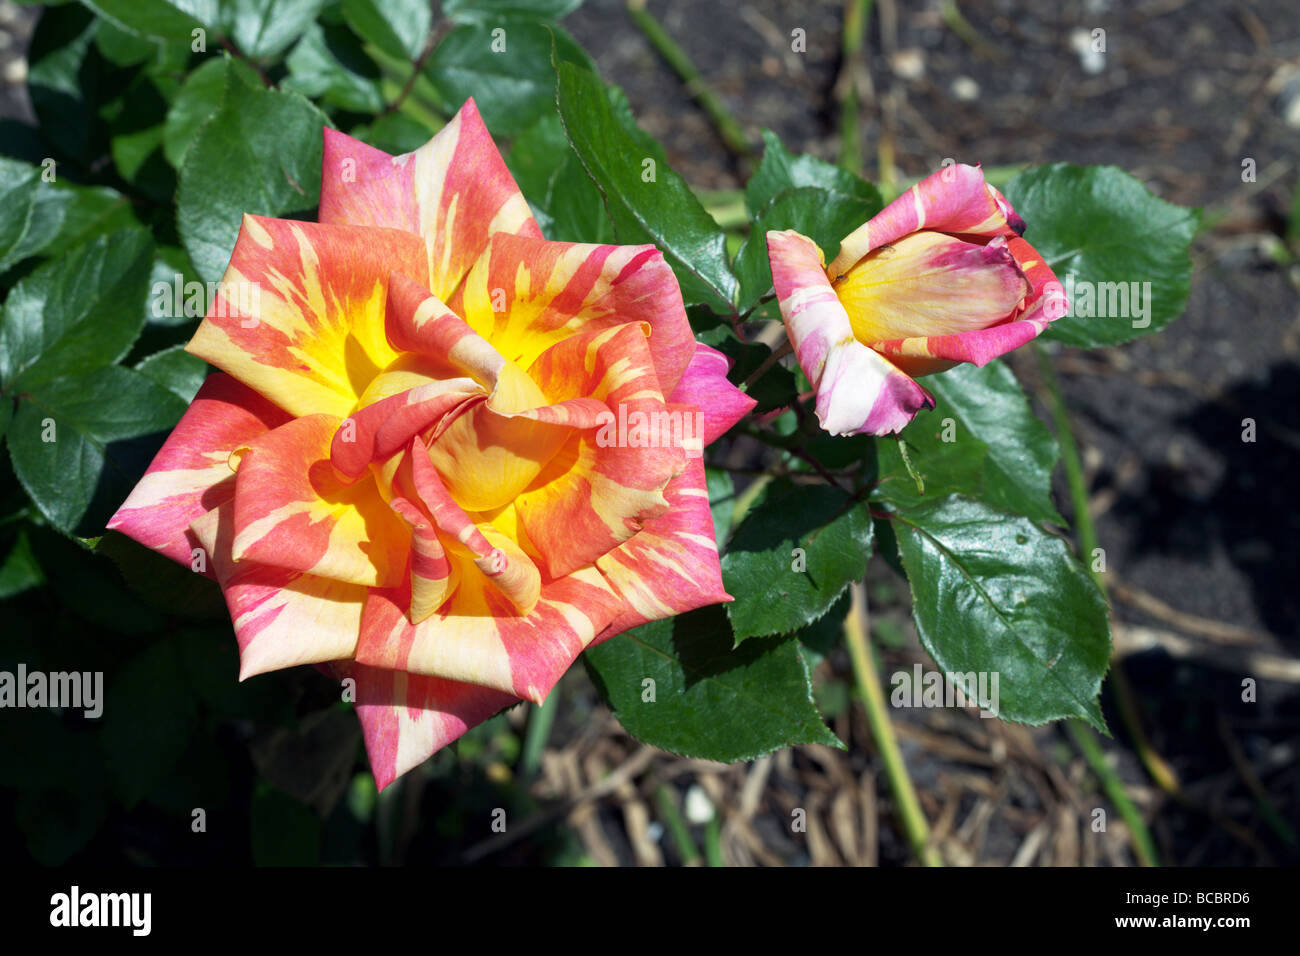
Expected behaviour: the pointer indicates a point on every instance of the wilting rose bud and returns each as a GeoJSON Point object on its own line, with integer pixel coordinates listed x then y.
{"type": "Point", "coordinates": [406, 472]}
{"type": "Point", "coordinates": [939, 276]}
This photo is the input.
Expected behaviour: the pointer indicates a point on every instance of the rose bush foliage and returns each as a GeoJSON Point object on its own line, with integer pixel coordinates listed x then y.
{"type": "Point", "coordinates": [392, 435]}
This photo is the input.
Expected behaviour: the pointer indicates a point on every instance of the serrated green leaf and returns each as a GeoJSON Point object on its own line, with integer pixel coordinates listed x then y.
{"type": "Point", "coordinates": [263, 28]}
{"type": "Point", "coordinates": [328, 64]}
{"type": "Point", "coordinates": [198, 98]}
{"type": "Point", "coordinates": [399, 28]}
{"type": "Point", "coordinates": [722, 500]}
{"type": "Point", "coordinates": [982, 439]}
{"type": "Point", "coordinates": [988, 404]}
{"type": "Point", "coordinates": [104, 428]}
{"type": "Point", "coordinates": [994, 593]}
{"type": "Point", "coordinates": [1101, 231]}
{"type": "Point", "coordinates": [824, 216]}
{"type": "Point", "coordinates": [793, 556]}
{"type": "Point", "coordinates": [550, 175]}
{"type": "Point", "coordinates": [781, 170]}
{"type": "Point", "coordinates": [175, 370]}
{"type": "Point", "coordinates": [259, 153]}
{"type": "Point", "coordinates": [505, 65]}
{"type": "Point", "coordinates": [484, 11]}
{"type": "Point", "coordinates": [18, 189]}
{"type": "Point", "coordinates": [708, 700]}
{"type": "Point", "coordinates": [75, 313]}
{"type": "Point", "coordinates": [659, 209]}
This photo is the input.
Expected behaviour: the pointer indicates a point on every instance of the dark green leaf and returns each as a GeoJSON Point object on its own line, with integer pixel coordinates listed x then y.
{"type": "Point", "coordinates": [646, 200]}
{"type": "Point", "coordinates": [781, 170]}
{"type": "Point", "coordinates": [105, 428]}
{"type": "Point", "coordinates": [175, 370]}
{"type": "Point", "coordinates": [792, 557]}
{"type": "Point", "coordinates": [1120, 252]}
{"type": "Point", "coordinates": [259, 153]}
{"type": "Point", "coordinates": [263, 28]}
{"type": "Point", "coordinates": [824, 216]}
{"type": "Point", "coordinates": [565, 200]}
{"type": "Point", "coordinates": [76, 313]}
{"type": "Point", "coordinates": [989, 405]}
{"type": "Point", "coordinates": [199, 97]}
{"type": "Point", "coordinates": [328, 64]}
{"type": "Point", "coordinates": [485, 11]}
{"type": "Point", "coordinates": [679, 684]}
{"type": "Point", "coordinates": [992, 593]}
{"type": "Point", "coordinates": [18, 190]}
{"type": "Point", "coordinates": [505, 65]}
{"type": "Point", "coordinates": [399, 28]}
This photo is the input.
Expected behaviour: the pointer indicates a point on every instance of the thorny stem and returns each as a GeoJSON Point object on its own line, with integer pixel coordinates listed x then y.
{"type": "Point", "coordinates": [856, 15]}
{"type": "Point", "coordinates": [915, 826]}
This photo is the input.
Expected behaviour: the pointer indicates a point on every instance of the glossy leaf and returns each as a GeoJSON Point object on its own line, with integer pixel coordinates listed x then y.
{"type": "Point", "coordinates": [646, 200]}
{"type": "Point", "coordinates": [678, 684]}
{"type": "Point", "coordinates": [1120, 252]}
{"type": "Point", "coordinates": [793, 556]}
{"type": "Point", "coordinates": [994, 593]}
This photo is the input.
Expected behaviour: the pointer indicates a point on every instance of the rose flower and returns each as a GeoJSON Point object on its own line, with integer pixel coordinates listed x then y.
{"type": "Point", "coordinates": [938, 277]}
{"type": "Point", "coordinates": [405, 471]}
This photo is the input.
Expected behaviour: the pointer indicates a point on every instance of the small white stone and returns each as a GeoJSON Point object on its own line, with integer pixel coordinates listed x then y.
{"type": "Point", "coordinates": [699, 808]}
{"type": "Point", "coordinates": [965, 89]}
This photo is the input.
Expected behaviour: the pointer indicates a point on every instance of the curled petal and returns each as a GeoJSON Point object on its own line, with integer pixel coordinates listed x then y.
{"type": "Point", "coordinates": [478, 637]}
{"type": "Point", "coordinates": [191, 473]}
{"type": "Point", "coordinates": [1045, 303]}
{"type": "Point", "coordinates": [929, 283]}
{"type": "Point", "coordinates": [525, 295]}
{"type": "Point", "coordinates": [704, 384]}
{"type": "Point", "coordinates": [955, 200]}
{"type": "Point", "coordinates": [300, 313]}
{"type": "Point", "coordinates": [292, 511]}
{"type": "Point", "coordinates": [858, 391]}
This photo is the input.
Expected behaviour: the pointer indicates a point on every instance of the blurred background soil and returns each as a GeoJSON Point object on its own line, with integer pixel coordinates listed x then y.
{"type": "Point", "coordinates": [1199, 527]}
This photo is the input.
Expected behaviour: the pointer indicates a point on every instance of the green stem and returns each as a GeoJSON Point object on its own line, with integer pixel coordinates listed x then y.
{"type": "Point", "coordinates": [857, 13]}
{"type": "Point", "coordinates": [873, 699]}
{"type": "Point", "coordinates": [677, 828]}
{"type": "Point", "coordinates": [1086, 741]}
{"type": "Point", "coordinates": [539, 731]}
{"type": "Point", "coordinates": [731, 132]}
{"type": "Point", "coordinates": [1155, 765]}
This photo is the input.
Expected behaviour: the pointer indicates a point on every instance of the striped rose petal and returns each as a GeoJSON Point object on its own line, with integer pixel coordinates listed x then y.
{"type": "Point", "coordinates": [704, 384]}
{"type": "Point", "coordinates": [292, 511]}
{"type": "Point", "coordinates": [858, 391]}
{"type": "Point", "coordinates": [607, 481]}
{"type": "Point", "coordinates": [406, 718]}
{"type": "Point", "coordinates": [671, 566]}
{"type": "Point", "coordinates": [282, 617]}
{"type": "Point", "coordinates": [525, 295]}
{"type": "Point", "coordinates": [300, 318]}
{"type": "Point", "coordinates": [478, 637]}
{"type": "Point", "coordinates": [955, 200]}
{"type": "Point", "coordinates": [191, 474]}
{"type": "Point", "coordinates": [455, 191]}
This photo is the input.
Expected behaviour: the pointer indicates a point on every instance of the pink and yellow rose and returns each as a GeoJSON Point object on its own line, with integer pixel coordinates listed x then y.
{"type": "Point", "coordinates": [940, 276]}
{"type": "Point", "coordinates": [399, 473]}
